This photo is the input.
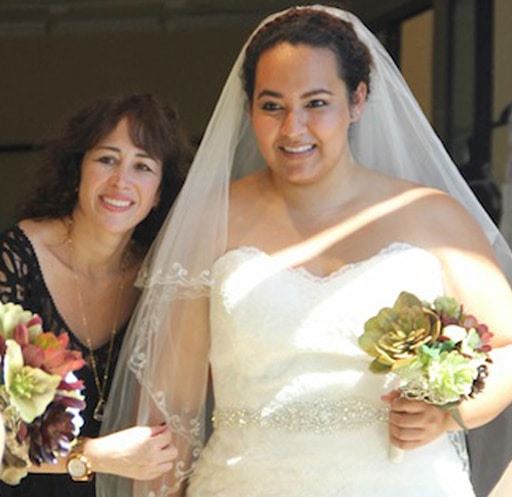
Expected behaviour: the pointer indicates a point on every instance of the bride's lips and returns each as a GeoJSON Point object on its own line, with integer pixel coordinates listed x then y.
{"type": "Point", "coordinates": [298, 151]}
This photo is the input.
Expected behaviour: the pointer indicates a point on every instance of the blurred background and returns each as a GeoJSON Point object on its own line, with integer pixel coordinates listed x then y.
{"type": "Point", "coordinates": [56, 55]}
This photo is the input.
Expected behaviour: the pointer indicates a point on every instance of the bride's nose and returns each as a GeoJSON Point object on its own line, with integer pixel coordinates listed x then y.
{"type": "Point", "coordinates": [294, 123]}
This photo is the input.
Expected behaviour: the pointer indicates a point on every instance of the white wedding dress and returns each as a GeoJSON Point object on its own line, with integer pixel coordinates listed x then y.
{"type": "Point", "coordinates": [298, 413]}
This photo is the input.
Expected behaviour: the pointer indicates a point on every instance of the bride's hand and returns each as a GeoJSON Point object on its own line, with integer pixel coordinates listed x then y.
{"type": "Point", "coordinates": [413, 423]}
{"type": "Point", "coordinates": [140, 453]}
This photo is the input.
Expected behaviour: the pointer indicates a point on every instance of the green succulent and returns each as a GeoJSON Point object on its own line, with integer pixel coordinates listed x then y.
{"type": "Point", "coordinates": [395, 333]}
{"type": "Point", "coordinates": [447, 306]}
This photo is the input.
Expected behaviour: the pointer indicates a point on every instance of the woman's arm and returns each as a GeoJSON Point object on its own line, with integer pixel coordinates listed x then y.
{"type": "Point", "coordinates": [140, 453]}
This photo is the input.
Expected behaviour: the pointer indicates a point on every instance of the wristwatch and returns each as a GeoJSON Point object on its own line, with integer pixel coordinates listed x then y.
{"type": "Point", "coordinates": [78, 466]}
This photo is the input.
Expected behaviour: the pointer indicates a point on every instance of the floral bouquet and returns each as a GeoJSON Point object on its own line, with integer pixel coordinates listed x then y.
{"type": "Point", "coordinates": [439, 353]}
{"type": "Point", "coordinates": [40, 397]}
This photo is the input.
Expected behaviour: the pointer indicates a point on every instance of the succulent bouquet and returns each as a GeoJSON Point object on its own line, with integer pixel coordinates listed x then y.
{"type": "Point", "coordinates": [40, 397]}
{"type": "Point", "coordinates": [439, 353]}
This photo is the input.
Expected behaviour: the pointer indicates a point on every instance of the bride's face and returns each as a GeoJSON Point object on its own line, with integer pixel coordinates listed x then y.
{"type": "Point", "coordinates": [301, 112]}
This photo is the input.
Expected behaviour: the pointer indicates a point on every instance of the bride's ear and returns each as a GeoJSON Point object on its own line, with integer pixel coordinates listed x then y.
{"type": "Point", "coordinates": [357, 101]}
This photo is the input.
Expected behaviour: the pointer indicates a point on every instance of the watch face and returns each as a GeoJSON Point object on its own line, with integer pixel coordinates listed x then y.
{"type": "Point", "coordinates": [77, 468]}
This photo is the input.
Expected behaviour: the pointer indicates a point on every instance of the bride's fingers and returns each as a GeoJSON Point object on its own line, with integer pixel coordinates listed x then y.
{"type": "Point", "coordinates": [390, 396]}
{"type": "Point", "coordinates": [407, 420]}
{"type": "Point", "coordinates": [400, 434]}
{"type": "Point", "coordinates": [399, 404]}
{"type": "Point", "coordinates": [405, 444]}
{"type": "Point", "coordinates": [412, 430]}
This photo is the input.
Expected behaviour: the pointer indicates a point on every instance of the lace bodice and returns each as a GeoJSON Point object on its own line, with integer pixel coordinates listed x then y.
{"type": "Point", "coordinates": [304, 326]}
{"type": "Point", "coordinates": [297, 411]}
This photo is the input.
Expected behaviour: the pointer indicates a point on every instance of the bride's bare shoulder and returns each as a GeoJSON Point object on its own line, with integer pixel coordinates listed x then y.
{"type": "Point", "coordinates": [430, 216]}
{"type": "Point", "coordinates": [382, 187]}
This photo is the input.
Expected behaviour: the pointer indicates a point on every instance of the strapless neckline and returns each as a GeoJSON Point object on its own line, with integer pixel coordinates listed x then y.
{"type": "Point", "coordinates": [301, 271]}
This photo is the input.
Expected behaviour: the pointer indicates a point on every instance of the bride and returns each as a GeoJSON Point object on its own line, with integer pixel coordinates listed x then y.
{"type": "Point", "coordinates": [270, 279]}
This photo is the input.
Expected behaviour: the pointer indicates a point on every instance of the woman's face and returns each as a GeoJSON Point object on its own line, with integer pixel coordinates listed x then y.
{"type": "Point", "coordinates": [301, 111]}
{"type": "Point", "coordinates": [119, 182]}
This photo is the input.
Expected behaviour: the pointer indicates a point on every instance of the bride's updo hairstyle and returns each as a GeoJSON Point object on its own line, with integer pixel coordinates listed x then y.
{"type": "Point", "coordinates": [316, 29]}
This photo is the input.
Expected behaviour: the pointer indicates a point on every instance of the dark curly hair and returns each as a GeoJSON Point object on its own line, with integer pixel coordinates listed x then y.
{"type": "Point", "coordinates": [153, 127]}
{"type": "Point", "coordinates": [317, 29]}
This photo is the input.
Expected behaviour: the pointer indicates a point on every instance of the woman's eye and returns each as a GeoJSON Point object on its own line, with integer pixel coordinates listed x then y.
{"type": "Point", "coordinates": [142, 166]}
{"type": "Point", "coordinates": [318, 102]}
{"type": "Point", "coordinates": [107, 159]}
{"type": "Point", "coordinates": [271, 106]}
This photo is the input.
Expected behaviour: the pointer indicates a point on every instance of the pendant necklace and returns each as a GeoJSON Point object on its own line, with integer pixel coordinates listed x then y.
{"type": "Point", "coordinates": [101, 384]}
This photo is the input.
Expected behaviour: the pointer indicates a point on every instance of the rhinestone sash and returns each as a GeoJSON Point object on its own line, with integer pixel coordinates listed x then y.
{"type": "Point", "coordinates": [319, 416]}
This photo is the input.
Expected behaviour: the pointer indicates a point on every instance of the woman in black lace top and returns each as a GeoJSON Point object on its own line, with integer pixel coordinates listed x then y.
{"type": "Point", "coordinates": [108, 184]}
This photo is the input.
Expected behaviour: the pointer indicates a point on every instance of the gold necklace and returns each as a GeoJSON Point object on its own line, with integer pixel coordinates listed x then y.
{"type": "Point", "coordinates": [101, 386]}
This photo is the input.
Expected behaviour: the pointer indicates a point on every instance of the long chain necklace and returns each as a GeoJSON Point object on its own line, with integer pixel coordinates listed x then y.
{"type": "Point", "coordinates": [101, 385]}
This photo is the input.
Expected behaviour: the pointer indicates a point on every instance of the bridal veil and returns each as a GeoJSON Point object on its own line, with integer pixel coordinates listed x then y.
{"type": "Point", "coordinates": [162, 372]}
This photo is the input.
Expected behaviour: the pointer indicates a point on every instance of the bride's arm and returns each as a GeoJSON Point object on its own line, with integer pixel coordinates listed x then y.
{"type": "Point", "coordinates": [476, 281]}
{"type": "Point", "coordinates": [473, 277]}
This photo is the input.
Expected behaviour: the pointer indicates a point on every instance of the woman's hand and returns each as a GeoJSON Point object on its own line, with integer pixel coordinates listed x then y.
{"type": "Point", "coordinates": [140, 453]}
{"type": "Point", "coordinates": [413, 423]}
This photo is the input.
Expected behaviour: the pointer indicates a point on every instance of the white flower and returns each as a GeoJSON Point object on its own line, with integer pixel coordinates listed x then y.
{"type": "Point", "coordinates": [30, 389]}
{"type": "Point", "coordinates": [11, 315]}
{"type": "Point", "coordinates": [455, 333]}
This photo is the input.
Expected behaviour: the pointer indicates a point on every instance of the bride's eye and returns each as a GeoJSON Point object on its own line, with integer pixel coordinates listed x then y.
{"type": "Point", "coordinates": [317, 103]}
{"type": "Point", "coordinates": [271, 106]}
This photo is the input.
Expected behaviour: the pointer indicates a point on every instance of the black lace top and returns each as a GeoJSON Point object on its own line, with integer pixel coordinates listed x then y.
{"type": "Point", "coordinates": [22, 282]}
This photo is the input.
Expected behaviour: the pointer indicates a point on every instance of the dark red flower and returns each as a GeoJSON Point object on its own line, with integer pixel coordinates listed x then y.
{"type": "Point", "coordinates": [51, 434]}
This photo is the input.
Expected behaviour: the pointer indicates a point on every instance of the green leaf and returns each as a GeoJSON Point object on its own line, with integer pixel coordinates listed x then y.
{"type": "Point", "coordinates": [406, 299]}
{"type": "Point", "coordinates": [448, 306]}
{"type": "Point", "coordinates": [448, 346]}
{"type": "Point", "coordinates": [431, 352]}
{"type": "Point", "coordinates": [378, 367]}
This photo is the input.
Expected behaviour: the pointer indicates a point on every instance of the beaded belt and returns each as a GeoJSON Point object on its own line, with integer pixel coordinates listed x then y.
{"type": "Point", "coordinates": [319, 416]}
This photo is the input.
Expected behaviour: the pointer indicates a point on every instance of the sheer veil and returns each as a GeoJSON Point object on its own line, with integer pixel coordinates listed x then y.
{"type": "Point", "coordinates": [163, 368]}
